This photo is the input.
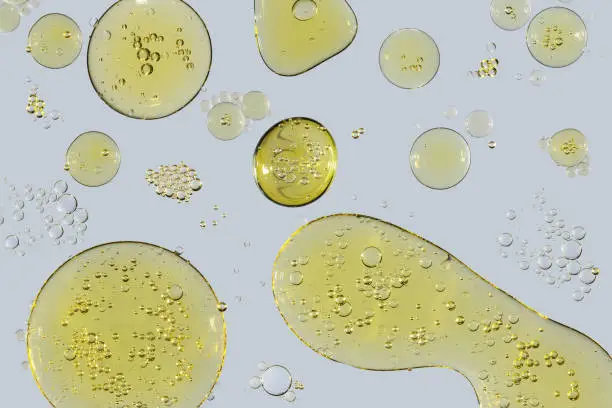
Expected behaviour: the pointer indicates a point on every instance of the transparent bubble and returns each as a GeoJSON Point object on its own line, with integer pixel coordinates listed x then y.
{"type": "Point", "coordinates": [578, 295]}
{"type": "Point", "coordinates": [505, 239]}
{"type": "Point", "coordinates": [544, 262]}
{"type": "Point", "coordinates": [66, 204]}
{"type": "Point", "coordinates": [56, 231]}
{"type": "Point", "coordinates": [255, 382]}
{"type": "Point", "coordinates": [574, 267]}
{"type": "Point", "coordinates": [511, 215]}
{"type": "Point", "coordinates": [81, 215]}
{"type": "Point", "coordinates": [451, 112]}
{"type": "Point", "coordinates": [523, 265]}
{"type": "Point", "coordinates": [11, 242]}
{"type": "Point", "coordinates": [587, 277]}
{"type": "Point", "coordinates": [60, 187]}
{"type": "Point", "coordinates": [18, 215]}
{"type": "Point", "coordinates": [578, 233]}
{"type": "Point", "coordinates": [479, 123]}
{"type": "Point", "coordinates": [571, 249]}
{"type": "Point", "coordinates": [537, 77]}
{"type": "Point", "coordinates": [491, 47]}
{"type": "Point", "coordinates": [276, 380]}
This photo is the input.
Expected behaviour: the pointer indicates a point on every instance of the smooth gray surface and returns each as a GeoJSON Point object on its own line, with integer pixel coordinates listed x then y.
{"type": "Point", "coordinates": [344, 93]}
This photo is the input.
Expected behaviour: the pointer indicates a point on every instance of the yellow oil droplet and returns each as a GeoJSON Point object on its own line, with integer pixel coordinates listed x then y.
{"type": "Point", "coordinates": [226, 121]}
{"type": "Point", "coordinates": [556, 37]}
{"type": "Point", "coordinates": [55, 41]}
{"type": "Point", "coordinates": [222, 306]}
{"type": "Point", "coordinates": [9, 18]}
{"type": "Point", "coordinates": [295, 36]}
{"type": "Point", "coordinates": [150, 43]}
{"type": "Point", "coordinates": [125, 346]}
{"type": "Point", "coordinates": [510, 14]}
{"type": "Point", "coordinates": [295, 161]}
{"type": "Point", "coordinates": [475, 341]}
{"type": "Point", "coordinates": [568, 147]}
{"type": "Point", "coordinates": [409, 58]}
{"type": "Point", "coordinates": [93, 159]}
{"type": "Point", "coordinates": [440, 158]}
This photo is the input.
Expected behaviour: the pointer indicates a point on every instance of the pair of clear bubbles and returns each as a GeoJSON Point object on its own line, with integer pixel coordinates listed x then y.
{"type": "Point", "coordinates": [275, 380]}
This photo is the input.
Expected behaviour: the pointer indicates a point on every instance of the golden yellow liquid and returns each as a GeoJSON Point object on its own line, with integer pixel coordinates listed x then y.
{"type": "Point", "coordinates": [296, 36]}
{"type": "Point", "coordinates": [295, 161]}
{"type": "Point", "coordinates": [568, 147]}
{"type": "Point", "coordinates": [409, 58]}
{"type": "Point", "coordinates": [9, 18]}
{"type": "Point", "coordinates": [510, 14]}
{"type": "Point", "coordinates": [556, 37]}
{"type": "Point", "coordinates": [440, 158]}
{"type": "Point", "coordinates": [55, 41]}
{"type": "Point", "coordinates": [93, 159]}
{"type": "Point", "coordinates": [226, 121]}
{"type": "Point", "coordinates": [149, 59]}
{"type": "Point", "coordinates": [372, 295]}
{"type": "Point", "coordinates": [126, 324]}
{"type": "Point", "coordinates": [255, 105]}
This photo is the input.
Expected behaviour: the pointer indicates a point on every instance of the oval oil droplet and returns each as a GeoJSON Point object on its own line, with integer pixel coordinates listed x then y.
{"type": "Point", "coordinates": [556, 37]}
{"type": "Point", "coordinates": [55, 41]}
{"type": "Point", "coordinates": [383, 304]}
{"type": "Point", "coordinates": [295, 161]}
{"type": "Point", "coordinates": [440, 158]}
{"type": "Point", "coordinates": [93, 159]}
{"type": "Point", "coordinates": [409, 58]}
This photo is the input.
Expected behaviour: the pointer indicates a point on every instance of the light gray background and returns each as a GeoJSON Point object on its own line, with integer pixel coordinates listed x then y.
{"type": "Point", "coordinates": [344, 93]}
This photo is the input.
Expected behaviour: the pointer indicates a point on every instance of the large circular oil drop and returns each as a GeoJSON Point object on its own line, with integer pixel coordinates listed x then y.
{"type": "Point", "coordinates": [126, 324]}
{"type": "Point", "coordinates": [148, 59]}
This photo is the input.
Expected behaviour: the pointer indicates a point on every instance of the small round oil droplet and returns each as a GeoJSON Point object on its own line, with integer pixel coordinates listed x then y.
{"type": "Point", "coordinates": [93, 159]}
{"type": "Point", "coordinates": [304, 10]}
{"type": "Point", "coordinates": [556, 37]}
{"type": "Point", "coordinates": [55, 41]}
{"type": "Point", "coordinates": [409, 58]}
{"type": "Point", "coordinates": [295, 161]}
{"type": "Point", "coordinates": [568, 147]}
{"type": "Point", "coordinates": [9, 18]}
{"type": "Point", "coordinates": [226, 121]}
{"type": "Point", "coordinates": [440, 158]}
{"type": "Point", "coordinates": [510, 14]}
{"type": "Point", "coordinates": [222, 306]}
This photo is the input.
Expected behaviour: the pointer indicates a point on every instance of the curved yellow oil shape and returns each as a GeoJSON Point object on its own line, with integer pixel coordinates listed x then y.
{"type": "Point", "coordinates": [367, 293]}
{"type": "Point", "coordinates": [126, 324]}
{"type": "Point", "coordinates": [294, 36]}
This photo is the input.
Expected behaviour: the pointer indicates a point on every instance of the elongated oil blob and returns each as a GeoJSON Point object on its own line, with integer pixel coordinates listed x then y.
{"type": "Point", "coordinates": [295, 36]}
{"type": "Point", "coordinates": [367, 293]}
{"type": "Point", "coordinates": [126, 324]}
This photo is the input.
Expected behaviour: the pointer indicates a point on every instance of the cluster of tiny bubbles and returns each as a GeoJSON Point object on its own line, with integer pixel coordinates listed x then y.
{"type": "Point", "coordinates": [176, 181]}
{"type": "Point", "coordinates": [277, 381]}
{"type": "Point", "coordinates": [37, 108]}
{"type": "Point", "coordinates": [568, 148]}
{"type": "Point", "coordinates": [537, 77]}
{"type": "Point", "coordinates": [230, 114]}
{"type": "Point", "coordinates": [479, 123]}
{"type": "Point", "coordinates": [214, 222]}
{"type": "Point", "coordinates": [558, 259]}
{"type": "Point", "coordinates": [488, 69]}
{"type": "Point", "coordinates": [357, 133]}
{"type": "Point", "coordinates": [55, 213]}
{"type": "Point", "coordinates": [11, 12]}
